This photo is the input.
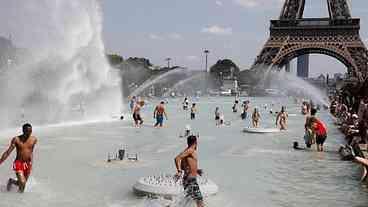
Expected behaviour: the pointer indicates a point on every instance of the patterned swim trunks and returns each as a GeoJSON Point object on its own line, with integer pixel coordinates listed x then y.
{"type": "Point", "coordinates": [192, 189]}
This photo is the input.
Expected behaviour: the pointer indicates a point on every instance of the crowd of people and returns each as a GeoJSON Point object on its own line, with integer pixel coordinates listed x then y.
{"type": "Point", "coordinates": [352, 121]}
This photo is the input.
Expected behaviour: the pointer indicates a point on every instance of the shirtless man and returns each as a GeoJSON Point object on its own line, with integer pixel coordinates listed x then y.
{"type": "Point", "coordinates": [138, 121]}
{"type": "Point", "coordinates": [24, 145]}
{"type": "Point", "coordinates": [281, 118]}
{"type": "Point", "coordinates": [159, 113]}
{"type": "Point", "coordinates": [187, 166]}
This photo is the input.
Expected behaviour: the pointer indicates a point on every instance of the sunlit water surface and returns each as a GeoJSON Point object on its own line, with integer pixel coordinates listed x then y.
{"type": "Point", "coordinates": [250, 169]}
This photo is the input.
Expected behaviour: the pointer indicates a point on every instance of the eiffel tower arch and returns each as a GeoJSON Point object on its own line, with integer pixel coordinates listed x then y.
{"type": "Point", "coordinates": [337, 36]}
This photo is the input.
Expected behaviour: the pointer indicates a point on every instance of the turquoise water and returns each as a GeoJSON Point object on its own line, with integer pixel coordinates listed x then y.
{"type": "Point", "coordinates": [250, 169]}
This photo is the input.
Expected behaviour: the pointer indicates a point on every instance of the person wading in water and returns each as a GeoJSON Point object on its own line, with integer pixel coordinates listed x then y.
{"type": "Point", "coordinates": [159, 114]}
{"type": "Point", "coordinates": [187, 166]}
{"type": "Point", "coordinates": [24, 145]}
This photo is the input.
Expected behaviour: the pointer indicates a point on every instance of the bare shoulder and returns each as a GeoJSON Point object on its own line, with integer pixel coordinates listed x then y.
{"type": "Point", "coordinates": [34, 139]}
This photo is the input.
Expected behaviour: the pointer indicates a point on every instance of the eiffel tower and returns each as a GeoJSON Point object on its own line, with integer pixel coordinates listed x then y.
{"type": "Point", "coordinates": [337, 36]}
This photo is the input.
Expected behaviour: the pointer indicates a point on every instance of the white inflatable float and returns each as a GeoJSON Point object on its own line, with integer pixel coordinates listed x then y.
{"type": "Point", "coordinates": [165, 185]}
{"type": "Point", "coordinates": [261, 130]}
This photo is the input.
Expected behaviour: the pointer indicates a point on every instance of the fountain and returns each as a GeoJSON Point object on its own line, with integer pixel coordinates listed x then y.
{"type": "Point", "coordinates": [148, 83]}
{"type": "Point", "coordinates": [292, 83]}
{"type": "Point", "coordinates": [185, 81]}
{"type": "Point", "coordinates": [167, 185]}
{"type": "Point", "coordinates": [65, 66]}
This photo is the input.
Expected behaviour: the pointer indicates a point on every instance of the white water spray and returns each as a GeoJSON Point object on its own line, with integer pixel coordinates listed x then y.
{"type": "Point", "coordinates": [289, 82]}
{"type": "Point", "coordinates": [67, 68]}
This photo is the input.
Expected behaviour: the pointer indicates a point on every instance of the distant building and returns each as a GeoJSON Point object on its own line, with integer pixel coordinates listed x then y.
{"type": "Point", "coordinates": [303, 66]}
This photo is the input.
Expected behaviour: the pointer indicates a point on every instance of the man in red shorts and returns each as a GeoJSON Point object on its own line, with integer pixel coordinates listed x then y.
{"type": "Point", "coordinates": [24, 145]}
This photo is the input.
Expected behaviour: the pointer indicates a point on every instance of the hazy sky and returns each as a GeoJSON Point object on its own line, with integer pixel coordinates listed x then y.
{"type": "Point", "coordinates": [235, 29]}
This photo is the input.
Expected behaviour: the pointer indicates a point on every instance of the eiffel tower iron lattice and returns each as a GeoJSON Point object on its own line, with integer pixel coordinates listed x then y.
{"type": "Point", "coordinates": [337, 36]}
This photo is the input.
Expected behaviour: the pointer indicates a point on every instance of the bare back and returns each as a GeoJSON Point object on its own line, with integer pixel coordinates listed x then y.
{"type": "Point", "coordinates": [189, 162]}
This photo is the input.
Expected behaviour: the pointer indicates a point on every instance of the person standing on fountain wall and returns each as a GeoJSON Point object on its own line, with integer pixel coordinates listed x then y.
{"type": "Point", "coordinates": [281, 118]}
{"type": "Point", "coordinates": [187, 167]}
{"type": "Point", "coordinates": [138, 121]}
{"type": "Point", "coordinates": [24, 145]}
{"type": "Point", "coordinates": [193, 111]}
{"type": "Point", "coordinates": [159, 114]}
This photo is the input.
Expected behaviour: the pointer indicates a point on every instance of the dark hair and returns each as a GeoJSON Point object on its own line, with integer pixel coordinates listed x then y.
{"type": "Point", "coordinates": [191, 140]}
{"type": "Point", "coordinates": [25, 126]}
{"type": "Point", "coordinates": [193, 104]}
{"type": "Point", "coordinates": [313, 111]}
{"type": "Point", "coordinates": [162, 102]}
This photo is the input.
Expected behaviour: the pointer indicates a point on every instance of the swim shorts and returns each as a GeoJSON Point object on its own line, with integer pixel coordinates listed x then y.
{"type": "Point", "coordinates": [137, 117]}
{"type": "Point", "coordinates": [22, 166]}
{"type": "Point", "coordinates": [192, 189]}
{"type": "Point", "coordinates": [159, 120]}
{"type": "Point", "coordinates": [192, 115]}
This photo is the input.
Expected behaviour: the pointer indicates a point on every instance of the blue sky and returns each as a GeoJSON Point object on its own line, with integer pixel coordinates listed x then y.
{"type": "Point", "coordinates": [234, 29]}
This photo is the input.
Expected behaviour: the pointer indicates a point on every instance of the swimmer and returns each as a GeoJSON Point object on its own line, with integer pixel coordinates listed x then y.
{"type": "Point", "coordinates": [281, 118]}
{"type": "Point", "coordinates": [256, 118]}
{"type": "Point", "coordinates": [138, 121]}
{"type": "Point", "coordinates": [159, 114]}
{"type": "Point", "coordinates": [187, 167]}
{"type": "Point", "coordinates": [193, 111]}
{"type": "Point", "coordinates": [24, 145]}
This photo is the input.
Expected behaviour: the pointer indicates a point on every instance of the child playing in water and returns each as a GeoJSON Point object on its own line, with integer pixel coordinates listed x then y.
{"type": "Point", "coordinates": [256, 118]}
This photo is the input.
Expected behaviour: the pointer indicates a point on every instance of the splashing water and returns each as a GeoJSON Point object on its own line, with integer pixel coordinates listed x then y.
{"type": "Point", "coordinates": [185, 81]}
{"type": "Point", "coordinates": [66, 67]}
{"type": "Point", "coordinates": [290, 82]}
{"type": "Point", "coordinates": [155, 80]}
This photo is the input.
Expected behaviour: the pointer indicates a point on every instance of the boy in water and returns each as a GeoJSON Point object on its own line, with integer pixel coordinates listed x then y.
{"type": "Point", "coordinates": [159, 114]}
{"type": "Point", "coordinates": [24, 145]}
{"type": "Point", "coordinates": [187, 167]}
{"type": "Point", "coordinates": [193, 111]}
